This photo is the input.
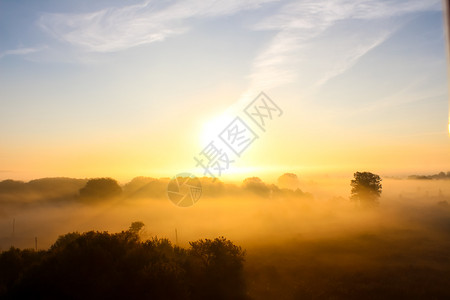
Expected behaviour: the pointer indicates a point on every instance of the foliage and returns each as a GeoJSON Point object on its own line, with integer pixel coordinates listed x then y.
{"type": "Point", "coordinates": [366, 188]}
{"type": "Point", "coordinates": [216, 265]}
{"type": "Point", "coordinates": [136, 227]}
{"type": "Point", "coordinates": [256, 185]}
{"type": "Point", "coordinates": [101, 188]}
{"type": "Point", "coordinates": [440, 175]}
{"type": "Point", "coordinates": [44, 189]}
{"type": "Point", "coordinates": [288, 181]}
{"type": "Point", "coordinates": [100, 265]}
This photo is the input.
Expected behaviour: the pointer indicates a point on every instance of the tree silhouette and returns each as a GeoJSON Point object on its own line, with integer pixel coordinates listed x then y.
{"type": "Point", "coordinates": [100, 188]}
{"type": "Point", "coordinates": [136, 227]}
{"type": "Point", "coordinates": [288, 181]}
{"type": "Point", "coordinates": [142, 187]}
{"type": "Point", "coordinates": [366, 188]}
{"type": "Point", "coordinates": [256, 185]}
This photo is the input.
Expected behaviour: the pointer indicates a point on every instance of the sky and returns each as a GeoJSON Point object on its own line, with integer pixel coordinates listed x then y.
{"type": "Point", "coordinates": [140, 88]}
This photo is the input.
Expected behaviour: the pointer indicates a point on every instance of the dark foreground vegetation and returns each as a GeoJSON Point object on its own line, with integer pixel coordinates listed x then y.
{"type": "Point", "coordinates": [100, 265]}
{"type": "Point", "coordinates": [384, 263]}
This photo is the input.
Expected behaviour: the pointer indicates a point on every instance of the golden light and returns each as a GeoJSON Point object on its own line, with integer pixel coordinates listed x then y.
{"type": "Point", "coordinates": [446, 11]}
{"type": "Point", "coordinates": [213, 127]}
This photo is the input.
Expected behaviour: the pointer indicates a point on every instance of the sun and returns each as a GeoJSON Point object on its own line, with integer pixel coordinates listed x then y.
{"type": "Point", "coordinates": [213, 127]}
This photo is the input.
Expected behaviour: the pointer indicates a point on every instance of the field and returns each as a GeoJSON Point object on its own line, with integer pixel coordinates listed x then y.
{"type": "Point", "coordinates": [298, 246]}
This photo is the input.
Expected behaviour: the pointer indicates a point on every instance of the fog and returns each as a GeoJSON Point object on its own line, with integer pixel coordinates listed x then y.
{"type": "Point", "coordinates": [312, 242]}
{"type": "Point", "coordinates": [245, 217]}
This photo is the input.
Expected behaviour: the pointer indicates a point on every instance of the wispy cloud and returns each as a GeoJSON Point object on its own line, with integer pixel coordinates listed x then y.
{"type": "Point", "coordinates": [296, 25]}
{"type": "Point", "coordinates": [115, 29]}
{"type": "Point", "coordinates": [20, 51]}
{"type": "Point", "coordinates": [299, 24]}
{"type": "Point", "coordinates": [414, 91]}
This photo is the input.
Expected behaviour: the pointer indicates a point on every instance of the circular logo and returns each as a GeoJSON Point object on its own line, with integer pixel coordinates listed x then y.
{"type": "Point", "coordinates": [184, 189]}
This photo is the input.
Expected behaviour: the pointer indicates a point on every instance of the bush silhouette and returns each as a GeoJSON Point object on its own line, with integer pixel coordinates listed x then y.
{"type": "Point", "coordinates": [100, 265]}
{"type": "Point", "coordinates": [215, 267]}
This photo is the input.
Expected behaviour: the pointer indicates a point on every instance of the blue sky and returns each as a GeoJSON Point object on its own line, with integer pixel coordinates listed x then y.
{"type": "Point", "coordinates": [113, 88]}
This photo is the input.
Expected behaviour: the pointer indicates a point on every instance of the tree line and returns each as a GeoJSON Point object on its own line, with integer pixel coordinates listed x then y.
{"type": "Point", "coordinates": [366, 189]}
{"type": "Point", "coordinates": [96, 190]}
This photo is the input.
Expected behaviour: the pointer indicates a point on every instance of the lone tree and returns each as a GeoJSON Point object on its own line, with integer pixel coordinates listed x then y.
{"type": "Point", "coordinates": [366, 188]}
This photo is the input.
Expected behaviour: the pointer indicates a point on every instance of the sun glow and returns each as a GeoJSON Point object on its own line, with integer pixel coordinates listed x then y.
{"type": "Point", "coordinates": [213, 127]}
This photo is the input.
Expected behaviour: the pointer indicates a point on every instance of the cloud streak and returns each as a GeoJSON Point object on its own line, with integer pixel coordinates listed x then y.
{"type": "Point", "coordinates": [20, 51]}
{"type": "Point", "coordinates": [116, 29]}
{"type": "Point", "coordinates": [299, 24]}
